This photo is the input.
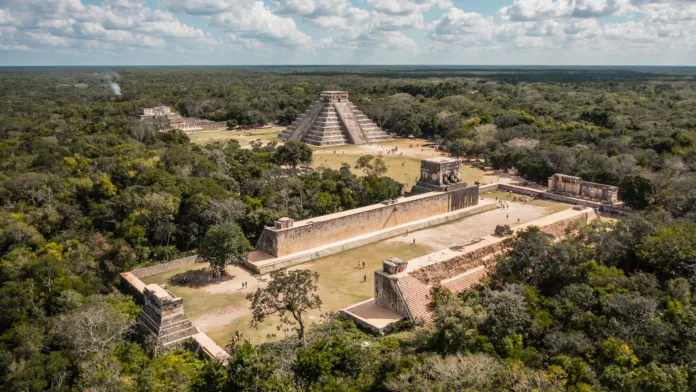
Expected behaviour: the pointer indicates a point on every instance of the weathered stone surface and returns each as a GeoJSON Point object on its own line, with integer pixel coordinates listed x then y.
{"type": "Point", "coordinates": [438, 175]}
{"type": "Point", "coordinates": [503, 230]}
{"type": "Point", "coordinates": [319, 231]}
{"type": "Point", "coordinates": [333, 120]}
{"type": "Point", "coordinates": [576, 187]}
{"type": "Point", "coordinates": [171, 120]}
{"type": "Point", "coordinates": [162, 315]}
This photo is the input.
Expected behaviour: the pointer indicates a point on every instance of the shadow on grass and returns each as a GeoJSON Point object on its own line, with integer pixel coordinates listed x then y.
{"type": "Point", "coordinates": [197, 278]}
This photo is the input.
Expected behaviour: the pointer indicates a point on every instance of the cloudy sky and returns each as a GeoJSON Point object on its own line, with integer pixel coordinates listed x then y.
{"type": "Point", "coordinates": [153, 32]}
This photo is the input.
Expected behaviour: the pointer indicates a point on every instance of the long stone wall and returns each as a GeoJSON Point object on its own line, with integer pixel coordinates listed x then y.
{"type": "Point", "coordinates": [601, 207]}
{"type": "Point", "coordinates": [332, 228]}
{"type": "Point", "coordinates": [266, 266]}
{"type": "Point", "coordinates": [475, 256]}
{"type": "Point", "coordinates": [163, 267]}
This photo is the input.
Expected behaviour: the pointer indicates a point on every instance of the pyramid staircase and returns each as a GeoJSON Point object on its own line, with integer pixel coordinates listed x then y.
{"type": "Point", "coordinates": [333, 121]}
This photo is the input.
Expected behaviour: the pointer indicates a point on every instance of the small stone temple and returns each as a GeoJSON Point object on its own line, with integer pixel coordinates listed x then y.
{"type": "Point", "coordinates": [162, 315]}
{"type": "Point", "coordinates": [576, 187]}
{"type": "Point", "coordinates": [173, 120]}
{"type": "Point", "coordinates": [333, 120]}
{"type": "Point", "coordinates": [438, 175]}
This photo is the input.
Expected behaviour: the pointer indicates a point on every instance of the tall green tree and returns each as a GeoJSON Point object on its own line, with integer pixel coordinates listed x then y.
{"type": "Point", "coordinates": [289, 294]}
{"type": "Point", "coordinates": [293, 153]}
{"type": "Point", "coordinates": [636, 191]}
{"type": "Point", "coordinates": [223, 245]}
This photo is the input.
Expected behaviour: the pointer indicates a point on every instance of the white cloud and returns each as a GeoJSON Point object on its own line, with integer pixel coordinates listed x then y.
{"type": "Point", "coordinates": [457, 25]}
{"type": "Point", "coordinates": [47, 39]}
{"type": "Point", "coordinates": [401, 7]}
{"type": "Point", "coordinates": [259, 23]}
{"type": "Point", "coordinates": [327, 14]}
{"type": "Point", "coordinates": [528, 10]}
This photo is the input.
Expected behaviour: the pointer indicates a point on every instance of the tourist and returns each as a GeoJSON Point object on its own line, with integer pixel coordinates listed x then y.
{"type": "Point", "coordinates": [363, 264]}
{"type": "Point", "coordinates": [507, 216]}
{"type": "Point", "coordinates": [518, 220]}
{"type": "Point", "coordinates": [365, 278]}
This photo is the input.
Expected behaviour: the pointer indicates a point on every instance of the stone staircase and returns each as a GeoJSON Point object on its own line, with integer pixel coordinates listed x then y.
{"type": "Point", "coordinates": [370, 130]}
{"type": "Point", "coordinates": [345, 112]}
{"type": "Point", "coordinates": [333, 121]}
{"type": "Point", "coordinates": [327, 129]}
{"type": "Point", "coordinates": [302, 124]}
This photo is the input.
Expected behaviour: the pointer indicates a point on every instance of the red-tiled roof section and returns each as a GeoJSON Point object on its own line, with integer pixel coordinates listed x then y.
{"type": "Point", "coordinates": [467, 280]}
{"type": "Point", "coordinates": [415, 295]}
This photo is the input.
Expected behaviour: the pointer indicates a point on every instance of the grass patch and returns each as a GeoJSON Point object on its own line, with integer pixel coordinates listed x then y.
{"type": "Point", "coordinates": [407, 174]}
{"type": "Point", "coordinates": [197, 302]}
{"type": "Point", "coordinates": [244, 137]}
{"type": "Point", "coordinates": [340, 284]}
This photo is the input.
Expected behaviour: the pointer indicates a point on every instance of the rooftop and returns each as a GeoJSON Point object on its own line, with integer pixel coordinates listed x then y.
{"type": "Point", "coordinates": [441, 160]}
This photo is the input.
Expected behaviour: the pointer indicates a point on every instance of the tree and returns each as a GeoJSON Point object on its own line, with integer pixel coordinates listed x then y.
{"type": "Point", "coordinates": [636, 191]}
{"type": "Point", "coordinates": [224, 244]}
{"type": "Point", "coordinates": [459, 147]}
{"type": "Point", "coordinates": [371, 166]}
{"type": "Point", "coordinates": [292, 292]}
{"type": "Point", "coordinates": [671, 251]}
{"type": "Point", "coordinates": [292, 154]}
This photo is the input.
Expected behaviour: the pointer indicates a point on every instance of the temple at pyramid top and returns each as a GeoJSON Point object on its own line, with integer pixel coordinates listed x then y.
{"type": "Point", "coordinates": [333, 120]}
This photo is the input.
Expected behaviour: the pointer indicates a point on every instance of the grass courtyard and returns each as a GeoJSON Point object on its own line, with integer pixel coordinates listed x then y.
{"type": "Point", "coordinates": [405, 169]}
{"type": "Point", "coordinates": [244, 137]}
{"type": "Point", "coordinates": [340, 284]}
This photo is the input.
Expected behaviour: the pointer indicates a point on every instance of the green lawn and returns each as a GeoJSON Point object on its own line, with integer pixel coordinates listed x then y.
{"type": "Point", "coordinates": [197, 302]}
{"type": "Point", "coordinates": [244, 137]}
{"type": "Point", "coordinates": [407, 174]}
{"type": "Point", "coordinates": [340, 284]}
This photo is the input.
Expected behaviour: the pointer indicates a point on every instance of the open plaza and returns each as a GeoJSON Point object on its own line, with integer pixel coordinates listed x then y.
{"type": "Point", "coordinates": [218, 306]}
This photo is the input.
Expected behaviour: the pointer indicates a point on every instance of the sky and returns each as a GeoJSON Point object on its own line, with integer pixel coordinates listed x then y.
{"type": "Point", "coordinates": [333, 32]}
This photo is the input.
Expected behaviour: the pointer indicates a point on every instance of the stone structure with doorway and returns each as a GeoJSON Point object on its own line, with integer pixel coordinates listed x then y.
{"type": "Point", "coordinates": [575, 187]}
{"type": "Point", "coordinates": [439, 175]}
{"type": "Point", "coordinates": [166, 119]}
{"type": "Point", "coordinates": [333, 120]}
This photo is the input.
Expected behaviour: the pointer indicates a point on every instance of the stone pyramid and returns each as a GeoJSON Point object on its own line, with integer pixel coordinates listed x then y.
{"type": "Point", "coordinates": [162, 315]}
{"type": "Point", "coordinates": [333, 120]}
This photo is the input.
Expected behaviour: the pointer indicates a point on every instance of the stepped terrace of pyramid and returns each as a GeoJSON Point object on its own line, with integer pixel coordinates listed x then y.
{"type": "Point", "coordinates": [333, 120]}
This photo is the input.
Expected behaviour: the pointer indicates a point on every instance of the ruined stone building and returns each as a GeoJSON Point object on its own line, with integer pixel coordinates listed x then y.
{"type": "Point", "coordinates": [438, 175]}
{"type": "Point", "coordinates": [170, 120]}
{"type": "Point", "coordinates": [402, 288]}
{"type": "Point", "coordinates": [576, 187]}
{"type": "Point", "coordinates": [162, 315]}
{"type": "Point", "coordinates": [333, 120]}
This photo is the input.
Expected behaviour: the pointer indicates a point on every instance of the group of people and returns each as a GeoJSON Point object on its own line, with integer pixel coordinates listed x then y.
{"type": "Point", "coordinates": [245, 285]}
{"type": "Point", "coordinates": [361, 264]}
{"type": "Point", "coordinates": [506, 206]}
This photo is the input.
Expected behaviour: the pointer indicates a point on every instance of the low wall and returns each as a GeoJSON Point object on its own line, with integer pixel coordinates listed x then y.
{"type": "Point", "coordinates": [267, 266]}
{"type": "Point", "coordinates": [331, 228]}
{"type": "Point", "coordinates": [163, 267]}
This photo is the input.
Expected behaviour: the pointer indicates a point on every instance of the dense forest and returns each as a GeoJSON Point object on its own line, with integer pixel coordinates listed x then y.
{"type": "Point", "coordinates": [87, 193]}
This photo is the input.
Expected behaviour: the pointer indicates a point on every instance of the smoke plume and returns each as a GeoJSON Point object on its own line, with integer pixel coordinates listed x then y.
{"type": "Point", "coordinates": [115, 87]}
